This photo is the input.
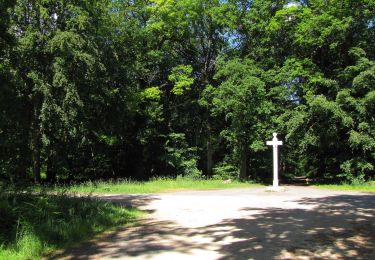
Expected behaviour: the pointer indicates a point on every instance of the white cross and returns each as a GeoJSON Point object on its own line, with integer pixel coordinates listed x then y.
{"type": "Point", "coordinates": [275, 143]}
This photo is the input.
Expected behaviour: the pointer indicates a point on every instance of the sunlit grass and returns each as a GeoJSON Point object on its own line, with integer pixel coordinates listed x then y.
{"type": "Point", "coordinates": [365, 187]}
{"type": "Point", "coordinates": [155, 186]}
{"type": "Point", "coordinates": [32, 225]}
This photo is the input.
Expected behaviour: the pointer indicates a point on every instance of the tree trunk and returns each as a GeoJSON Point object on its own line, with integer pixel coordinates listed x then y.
{"type": "Point", "coordinates": [210, 152]}
{"type": "Point", "coordinates": [35, 156]}
{"type": "Point", "coordinates": [51, 171]}
{"type": "Point", "coordinates": [35, 142]}
{"type": "Point", "coordinates": [243, 162]}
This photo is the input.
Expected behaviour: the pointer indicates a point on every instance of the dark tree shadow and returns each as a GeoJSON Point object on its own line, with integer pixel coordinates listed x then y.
{"type": "Point", "coordinates": [339, 227]}
{"type": "Point", "coordinates": [332, 227]}
{"type": "Point", "coordinates": [130, 201]}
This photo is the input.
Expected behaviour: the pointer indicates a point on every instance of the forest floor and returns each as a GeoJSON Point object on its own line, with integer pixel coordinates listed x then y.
{"type": "Point", "coordinates": [246, 223]}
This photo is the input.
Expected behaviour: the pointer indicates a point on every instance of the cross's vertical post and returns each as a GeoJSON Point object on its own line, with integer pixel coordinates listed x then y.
{"type": "Point", "coordinates": [275, 143]}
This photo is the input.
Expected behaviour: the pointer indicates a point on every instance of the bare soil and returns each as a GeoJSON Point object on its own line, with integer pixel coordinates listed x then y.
{"type": "Point", "coordinates": [249, 223]}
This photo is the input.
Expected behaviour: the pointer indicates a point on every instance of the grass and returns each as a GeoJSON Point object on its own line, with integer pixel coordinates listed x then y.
{"type": "Point", "coordinates": [32, 225]}
{"type": "Point", "coordinates": [155, 186]}
{"type": "Point", "coordinates": [365, 187]}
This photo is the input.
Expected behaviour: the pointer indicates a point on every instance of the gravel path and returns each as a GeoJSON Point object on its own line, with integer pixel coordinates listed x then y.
{"type": "Point", "coordinates": [299, 223]}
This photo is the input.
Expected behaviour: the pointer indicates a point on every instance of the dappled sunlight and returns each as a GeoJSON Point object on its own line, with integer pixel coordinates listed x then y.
{"type": "Point", "coordinates": [333, 227]}
{"type": "Point", "coordinates": [330, 230]}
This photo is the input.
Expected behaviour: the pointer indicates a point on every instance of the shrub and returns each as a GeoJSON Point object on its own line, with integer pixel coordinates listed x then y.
{"type": "Point", "coordinates": [180, 157]}
{"type": "Point", "coordinates": [225, 171]}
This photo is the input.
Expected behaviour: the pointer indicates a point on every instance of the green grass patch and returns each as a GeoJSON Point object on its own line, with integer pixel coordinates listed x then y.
{"type": "Point", "coordinates": [365, 187]}
{"type": "Point", "coordinates": [32, 225]}
{"type": "Point", "coordinates": [155, 186]}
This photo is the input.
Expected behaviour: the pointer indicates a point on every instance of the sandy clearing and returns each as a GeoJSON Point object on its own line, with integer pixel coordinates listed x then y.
{"type": "Point", "coordinates": [250, 223]}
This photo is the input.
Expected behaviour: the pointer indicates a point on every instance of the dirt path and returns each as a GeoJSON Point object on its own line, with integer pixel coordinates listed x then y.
{"type": "Point", "coordinates": [300, 223]}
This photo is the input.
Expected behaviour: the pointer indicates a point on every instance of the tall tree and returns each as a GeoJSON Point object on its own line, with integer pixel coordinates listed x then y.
{"type": "Point", "coordinates": [242, 99]}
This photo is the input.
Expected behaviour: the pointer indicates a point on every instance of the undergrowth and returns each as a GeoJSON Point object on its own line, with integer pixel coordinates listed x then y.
{"type": "Point", "coordinates": [154, 186]}
{"type": "Point", "coordinates": [363, 187]}
{"type": "Point", "coordinates": [32, 225]}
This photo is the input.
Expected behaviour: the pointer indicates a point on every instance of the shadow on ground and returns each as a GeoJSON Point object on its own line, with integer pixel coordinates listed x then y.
{"type": "Point", "coordinates": [337, 227]}
{"type": "Point", "coordinates": [133, 201]}
{"type": "Point", "coordinates": [340, 227]}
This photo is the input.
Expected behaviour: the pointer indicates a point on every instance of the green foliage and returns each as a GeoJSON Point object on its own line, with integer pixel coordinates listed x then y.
{"type": "Point", "coordinates": [114, 89]}
{"type": "Point", "coordinates": [241, 100]}
{"type": "Point", "coordinates": [151, 93]}
{"type": "Point", "coordinates": [180, 157]}
{"type": "Point", "coordinates": [225, 171]}
{"type": "Point", "coordinates": [324, 120]}
{"type": "Point", "coordinates": [180, 76]}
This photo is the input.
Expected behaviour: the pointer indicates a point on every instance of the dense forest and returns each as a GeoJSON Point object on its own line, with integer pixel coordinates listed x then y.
{"type": "Point", "coordinates": [107, 89]}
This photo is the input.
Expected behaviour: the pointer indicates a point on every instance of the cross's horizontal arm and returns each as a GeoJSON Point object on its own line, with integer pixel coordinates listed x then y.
{"type": "Point", "coordinates": [274, 142]}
